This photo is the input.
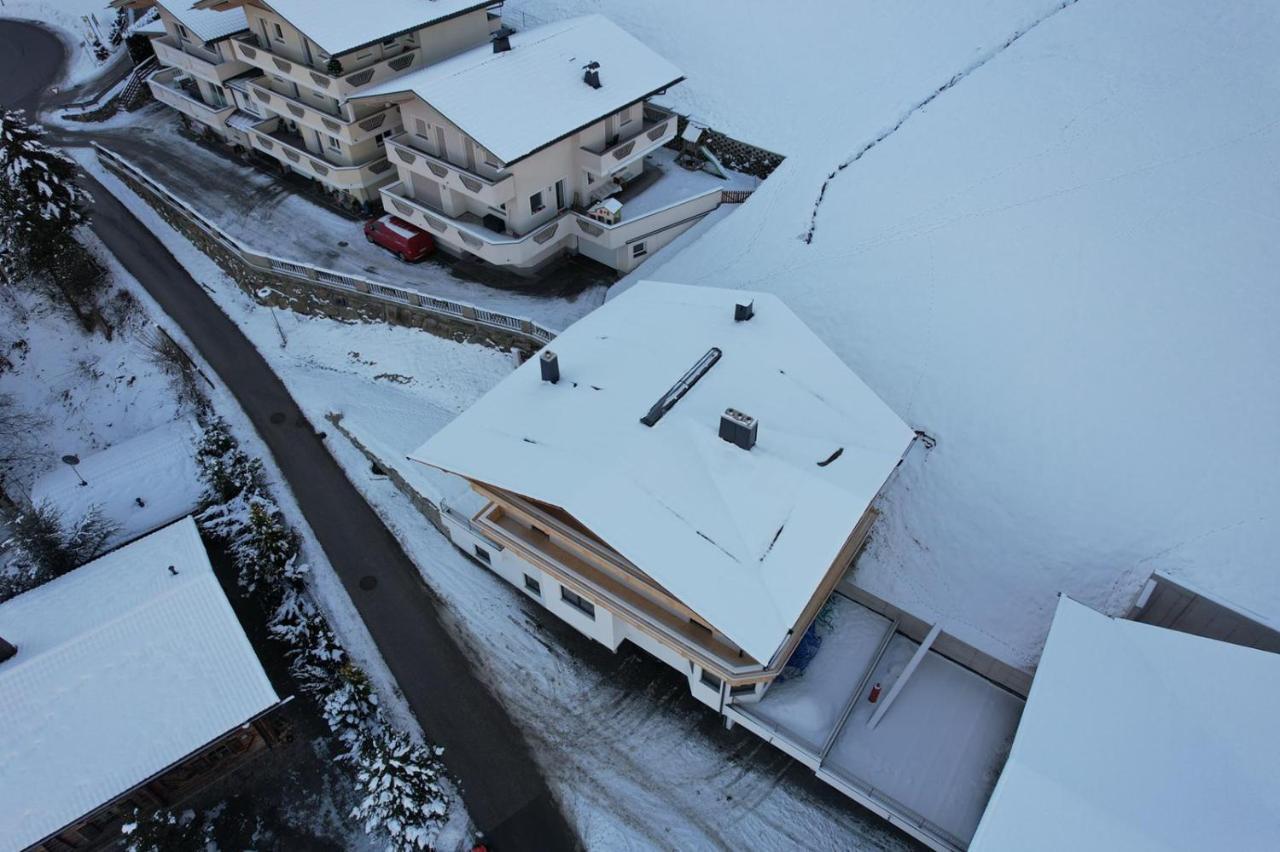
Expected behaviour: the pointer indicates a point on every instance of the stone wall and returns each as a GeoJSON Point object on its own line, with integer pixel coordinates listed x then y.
{"type": "Point", "coordinates": [741, 156]}
{"type": "Point", "coordinates": [308, 296]}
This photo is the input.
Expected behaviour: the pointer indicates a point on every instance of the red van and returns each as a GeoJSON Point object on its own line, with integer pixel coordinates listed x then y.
{"type": "Point", "coordinates": [399, 237]}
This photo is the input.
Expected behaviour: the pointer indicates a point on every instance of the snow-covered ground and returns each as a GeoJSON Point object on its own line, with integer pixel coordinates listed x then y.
{"type": "Point", "coordinates": [67, 18]}
{"type": "Point", "coordinates": [1051, 246]}
{"type": "Point", "coordinates": [637, 762]}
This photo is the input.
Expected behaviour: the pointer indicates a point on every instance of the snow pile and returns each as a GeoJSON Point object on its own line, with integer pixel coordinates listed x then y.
{"type": "Point", "coordinates": [1061, 267]}
{"type": "Point", "coordinates": [138, 485]}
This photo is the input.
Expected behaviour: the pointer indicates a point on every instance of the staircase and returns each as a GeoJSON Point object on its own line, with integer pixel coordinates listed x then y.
{"type": "Point", "coordinates": [135, 91]}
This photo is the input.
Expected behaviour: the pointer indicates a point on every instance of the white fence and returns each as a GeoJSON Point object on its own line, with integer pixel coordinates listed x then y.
{"type": "Point", "coordinates": [481, 318]}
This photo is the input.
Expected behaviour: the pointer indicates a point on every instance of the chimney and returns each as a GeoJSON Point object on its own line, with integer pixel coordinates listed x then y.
{"type": "Point", "coordinates": [592, 75]}
{"type": "Point", "coordinates": [742, 313]}
{"type": "Point", "coordinates": [550, 366]}
{"type": "Point", "coordinates": [6, 650]}
{"type": "Point", "coordinates": [738, 428]}
{"type": "Point", "coordinates": [502, 40]}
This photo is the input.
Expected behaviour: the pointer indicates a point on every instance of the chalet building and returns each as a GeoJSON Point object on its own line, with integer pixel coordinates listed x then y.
{"type": "Point", "coordinates": [279, 77]}
{"type": "Point", "coordinates": [690, 470]}
{"type": "Point", "coordinates": [126, 683]}
{"type": "Point", "coordinates": [507, 148]}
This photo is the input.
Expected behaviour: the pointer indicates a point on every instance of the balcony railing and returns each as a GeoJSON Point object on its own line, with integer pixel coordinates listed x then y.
{"type": "Point", "coordinates": [167, 88]}
{"type": "Point", "coordinates": [656, 129]}
{"type": "Point", "coordinates": [205, 64]}
{"type": "Point", "coordinates": [499, 249]}
{"type": "Point", "coordinates": [489, 191]}
{"type": "Point", "coordinates": [350, 132]}
{"type": "Point", "coordinates": [247, 48]}
{"type": "Point", "coordinates": [291, 151]}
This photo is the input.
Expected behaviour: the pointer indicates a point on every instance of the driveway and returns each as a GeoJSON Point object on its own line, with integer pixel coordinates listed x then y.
{"type": "Point", "coordinates": [503, 788]}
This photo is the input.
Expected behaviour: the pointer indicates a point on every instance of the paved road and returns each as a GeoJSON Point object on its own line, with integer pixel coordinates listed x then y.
{"type": "Point", "coordinates": [503, 788]}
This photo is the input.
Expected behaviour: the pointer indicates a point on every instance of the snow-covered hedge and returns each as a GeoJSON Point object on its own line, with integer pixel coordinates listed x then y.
{"type": "Point", "coordinates": [398, 780]}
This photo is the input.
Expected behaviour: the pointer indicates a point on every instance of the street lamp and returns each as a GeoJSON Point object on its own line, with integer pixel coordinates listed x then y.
{"type": "Point", "coordinates": [71, 460]}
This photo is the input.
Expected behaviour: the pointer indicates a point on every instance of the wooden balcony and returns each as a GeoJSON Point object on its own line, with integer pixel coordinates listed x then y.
{"type": "Point", "coordinates": [197, 61]}
{"type": "Point", "coordinates": [248, 49]}
{"type": "Point", "coordinates": [490, 191]}
{"type": "Point", "coordinates": [656, 129]}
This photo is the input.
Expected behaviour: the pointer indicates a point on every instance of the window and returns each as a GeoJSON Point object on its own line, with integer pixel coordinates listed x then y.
{"type": "Point", "coordinates": [182, 33]}
{"type": "Point", "coordinates": [535, 203]}
{"type": "Point", "coordinates": [560, 201]}
{"type": "Point", "coordinates": [532, 585]}
{"type": "Point", "coordinates": [625, 117]}
{"type": "Point", "coordinates": [279, 32]}
{"type": "Point", "coordinates": [423, 129]}
{"type": "Point", "coordinates": [483, 555]}
{"type": "Point", "coordinates": [708, 679]}
{"type": "Point", "coordinates": [335, 143]}
{"type": "Point", "coordinates": [743, 689]}
{"type": "Point", "coordinates": [381, 139]}
{"type": "Point", "coordinates": [639, 250]}
{"type": "Point", "coordinates": [578, 602]}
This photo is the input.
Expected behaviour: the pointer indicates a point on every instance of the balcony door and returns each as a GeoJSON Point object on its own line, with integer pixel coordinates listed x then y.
{"type": "Point", "coordinates": [560, 199]}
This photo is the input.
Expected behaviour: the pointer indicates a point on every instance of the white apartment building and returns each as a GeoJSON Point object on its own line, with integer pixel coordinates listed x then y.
{"type": "Point", "coordinates": [280, 76]}
{"type": "Point", "coordinates": [507, 147]}
{"type": "Point", "coordinates": [691, 471]}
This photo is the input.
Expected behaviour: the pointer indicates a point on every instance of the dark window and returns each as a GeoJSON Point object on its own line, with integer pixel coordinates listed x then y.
{"type": "Point", "coordinates": [639, 250]}
{"type": "Point", "coordinates": [279, 33]}
{"type": "Point", "coordinates": [535, 203]}
{"type": "Point", "coordinates": [533, 585]}
{"type": "Point", "coordinates": [578, 602]}
{"type": "Point", "coordinates": [482, 555]}
{"type": "Point", "coordinates": [743, 689]}
{"type": "Point", "coordinates": [708, 679]}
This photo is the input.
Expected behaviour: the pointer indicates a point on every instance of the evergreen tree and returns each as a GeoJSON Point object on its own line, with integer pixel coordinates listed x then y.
{"type": "Point", "coordinates": [39, 200]}
{"type": "Point", "coordinates": [401, 794]}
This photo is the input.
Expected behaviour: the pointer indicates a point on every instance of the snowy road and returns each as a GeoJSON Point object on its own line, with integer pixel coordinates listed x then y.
{"type": "Point", "coordinates": [503, 787]}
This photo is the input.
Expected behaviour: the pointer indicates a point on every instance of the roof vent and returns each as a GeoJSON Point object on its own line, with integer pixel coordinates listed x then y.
{"type": "Point", "coordinates": [742, 313]}
{"type": "Point", "coordinates": [592, 75]}
{"type": "Point", "coordinates": [681, 387]}
{"type": "Point", "coordinates": [7, 650]}
{"type": "Point", "coordinates": [738, 428]}
{"type": "Point", "coordinates": [502, 40]}
{"type": "Point", "coordinates": [550, 366]}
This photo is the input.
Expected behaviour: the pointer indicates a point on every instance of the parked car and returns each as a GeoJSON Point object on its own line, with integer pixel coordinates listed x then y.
{"type": "Point", "coordinates": [399, 237]}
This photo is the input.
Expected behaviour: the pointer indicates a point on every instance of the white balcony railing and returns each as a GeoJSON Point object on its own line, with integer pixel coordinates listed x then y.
{"type": "Point", "coordinates": [205, 64]}
{"type": "Point", "coordinates": [657, 129]}
{"type": "Point", "coordinates": [350, 132]}
{"type": "Point", "coordinates": [341, 87]}
{"type": "Point", "coordinates": [492, 192]}
{"type": "Point", "coordinates": [266, 138]}
{"type": "Point", "coordinates": [167, 88]}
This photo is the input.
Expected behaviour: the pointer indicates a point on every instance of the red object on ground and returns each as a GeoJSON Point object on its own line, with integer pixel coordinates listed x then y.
{"type": "Point", "coordinates": [397, 236]}
{"type": "Point", "coordinates": [875, 694]}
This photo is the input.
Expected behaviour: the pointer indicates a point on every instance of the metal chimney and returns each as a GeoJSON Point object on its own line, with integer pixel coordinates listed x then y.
{"type": "Point", "coordinates": [7, 650]}
{"type": "Point", "coordinates": [550, 366]}
{"type": "Point", "coordinates": [502, 41]}
{"type": "Point", "coordinates": [592, 75]}
{"type": "Point", "coordinates": [738, 428]}
{"type": "Point", "coordinates": [742, 313]}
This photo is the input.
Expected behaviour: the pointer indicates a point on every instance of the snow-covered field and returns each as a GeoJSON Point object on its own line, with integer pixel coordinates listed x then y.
{"type": "Point", "coordinates": [637, 762]}
{"type": "Point", "coordinates": [1061, 266]}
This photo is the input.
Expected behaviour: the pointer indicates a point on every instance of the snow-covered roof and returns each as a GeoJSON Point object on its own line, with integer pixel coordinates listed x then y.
{"type": "Point", "coordinates": [207, 25]}
{"type": "Point", "coordinates": [612, 205]}
{"type": "Point", "coordinates": [339, 26]}
{"type": "Point", "coordinates": [157, 467]}
{"type": "Point", "coordinates": [123, 668]}
{"type": "Point", "coordinates": [1140, 738]}
{"type": "Point", "coordinates": [518, 101]}
{"type": "Point", "coordinates": [743, 538]}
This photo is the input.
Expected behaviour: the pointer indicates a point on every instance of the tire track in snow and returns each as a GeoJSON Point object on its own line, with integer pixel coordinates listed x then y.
{"type": "Point", "coordinates": [950, 84]}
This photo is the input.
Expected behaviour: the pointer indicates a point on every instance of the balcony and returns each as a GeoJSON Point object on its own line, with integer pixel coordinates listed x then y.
{"type": "Point", "coordinates": [489, 191]}
{"type": "Point", "coordinates": [350, 132]}
{"type": "Point", "coordinates": [170, 87]}
{"type": "Point", "coordinates": [205, 64]}
{"type": "Point", "coordinates": [247, 49]}
{"type": "Point", "coordinates": [275, 141]}
{"type": "Point", "coordinates": [656, 129]}
{"type": "Point", "coordinates": [468, 234]}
